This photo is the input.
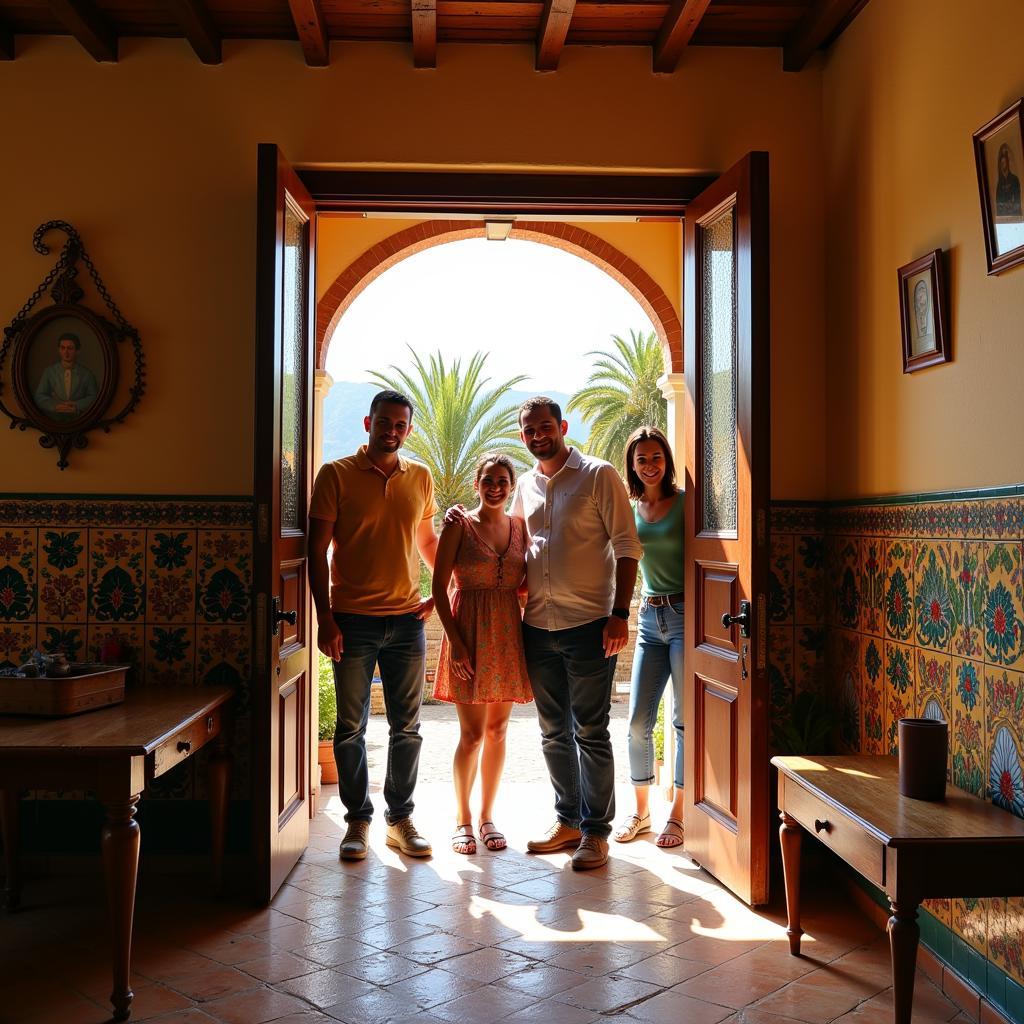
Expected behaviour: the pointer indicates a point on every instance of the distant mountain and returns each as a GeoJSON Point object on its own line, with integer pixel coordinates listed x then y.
{"type": "Point", "coordinates": [348, 402]}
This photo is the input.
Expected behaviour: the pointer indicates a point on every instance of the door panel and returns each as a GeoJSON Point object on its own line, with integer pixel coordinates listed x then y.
{"type": "Point", "coordinates": [726, 359]}
{"type": "Point", "coordinates": [285, 314]}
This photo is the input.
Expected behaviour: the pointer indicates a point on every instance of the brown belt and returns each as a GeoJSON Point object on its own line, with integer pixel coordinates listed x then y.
{"type": "Point", "coordinates": [658, 600]}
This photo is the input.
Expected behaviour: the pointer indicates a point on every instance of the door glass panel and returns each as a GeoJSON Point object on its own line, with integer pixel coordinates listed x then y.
{"type": "Point", "coordinates": [293, 343]}
{"type": "Point", "coordinates": [718, 346]}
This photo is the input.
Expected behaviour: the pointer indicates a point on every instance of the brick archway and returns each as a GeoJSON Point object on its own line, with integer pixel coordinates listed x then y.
{"type": "Point", "coordinates": [384, 255]}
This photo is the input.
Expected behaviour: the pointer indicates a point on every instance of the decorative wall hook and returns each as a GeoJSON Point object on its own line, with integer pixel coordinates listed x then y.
{"type": "Point", "coordinates": [66, 358]}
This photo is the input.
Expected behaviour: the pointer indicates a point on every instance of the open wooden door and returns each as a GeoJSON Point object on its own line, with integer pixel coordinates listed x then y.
{"type": "Point", "coordinates": [281, 696]}
{"type": "Point", "coordinates": [727, 431]}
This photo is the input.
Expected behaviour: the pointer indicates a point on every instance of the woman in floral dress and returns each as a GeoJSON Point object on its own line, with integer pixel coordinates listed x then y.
{"type": "Point", "coordinates": [482, 668]}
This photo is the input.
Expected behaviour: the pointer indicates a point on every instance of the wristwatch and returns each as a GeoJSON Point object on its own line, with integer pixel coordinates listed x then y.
{"type": "Point", "coordinates": [621, 613]}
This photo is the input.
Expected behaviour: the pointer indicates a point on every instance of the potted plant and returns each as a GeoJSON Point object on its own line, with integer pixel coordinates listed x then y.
{"type": "Point", "coordinates": [328, 712]}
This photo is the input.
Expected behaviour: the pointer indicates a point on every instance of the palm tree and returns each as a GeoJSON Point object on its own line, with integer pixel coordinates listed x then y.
{"type": "Point", "coordinates": [622, 394]}
{"type": "Point", "coordinates": [456, 420]}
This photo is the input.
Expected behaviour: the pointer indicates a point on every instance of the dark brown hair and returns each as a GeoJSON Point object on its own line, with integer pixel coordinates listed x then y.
{"type": "Point", "coordinates": [634, 483]}
{"type": "Point", "coordinates": [495, 459]}
{"type": "Point", "coordinates": [540, 402]}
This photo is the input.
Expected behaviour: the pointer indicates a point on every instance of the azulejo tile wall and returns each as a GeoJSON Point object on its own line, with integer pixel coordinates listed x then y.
{"type": "Point", "coordinates": [170, 579]}
{"type": "Point", "coordinates": [924, 613]}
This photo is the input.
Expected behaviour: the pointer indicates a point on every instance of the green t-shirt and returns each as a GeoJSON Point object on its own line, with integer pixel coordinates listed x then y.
{"type": "Point", "coordinates": [662, 564]}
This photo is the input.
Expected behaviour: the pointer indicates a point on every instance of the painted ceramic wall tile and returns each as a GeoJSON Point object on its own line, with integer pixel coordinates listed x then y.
{"type": "Point", "coordinates": [934, 689]}
{"type": "Point", "coordinates": [968, 735]}
{"type": "Point", "coordinates": [872, 585]}
{"type": "Point", "coordinates": [872, 696]}
{"type": "Point", "coordinates": [170, 655]}
{"type": "Point", "coordinates": [933, 607]}
{"type": "Point", "coordinates": [62, 576]}
{"type": "Point", "coordinates": [222, 655]}
{"type": "Point", "coordinates": [967, 598]}
{"type": "Point", "coordinates": [847, 582]}
{"type": "Point", "coordinates": [17, 642]}
{"type": "Point", "coordinates": [1013, 938]}
{"type": "Point", "coordinates": [780, 582]}
{"type": "Point", "coordinates": [224, 576]}
{"type": "Point", "coordinates": [1003, 620]}
{"type": "Point", "coordinates": [132, 639]}
{"type": "Point", "coordinates": [117, 590]}
{"type": "Point", "coordinates": [1002, 518]}
{"type": "Point", "coordinates": [900, 699]}
{"type": "Point", "coordinates": [940, 909]}
{"type": "Point", "coordinates": [170, 571]}
{"type": "Point", "coordinates": [67, 638]}
{"type": "Point", "coordinates": [809, 658]}
{"type": "Point", "coordinates": [781, 674]}
{"type": "Point", "coordinates": [899, 589]}
{"type": "Point", "coordinates": [808, 579]}
{"type": "Point", "coordinates": [17, 574]}
{"type": "Point", "coordinates": [847, 658]}
{"type": "Point", "coordinates": [1005, 780]}
{"type": "Point", "coordinates": [970, 922]}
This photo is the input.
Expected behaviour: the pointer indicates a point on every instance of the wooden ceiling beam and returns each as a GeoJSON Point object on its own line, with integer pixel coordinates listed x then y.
{"type": "Point", "coordinates": [89, 27]}
{"type": "Point", "coordinates": [424, 33]}
{"type": "Point", "coordinates": [6, 43]}
{"type": "Point", "coordinates": [676, 31]}
{"type": "Point", "coordinates": [554, 27]}
{"type": "Point", "coordinates": [199, 28]}
{"type": "Point", "coordinates": [312, 29]}
{"type": "Point", "coordinates": [819, 24]}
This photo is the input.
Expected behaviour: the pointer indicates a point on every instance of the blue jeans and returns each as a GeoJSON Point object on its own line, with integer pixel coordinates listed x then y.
{"type": "Point", "coordinates": [397, 644]}
{"type": "Point", "coordinates": [572, 686]}
{"type": "Point", "coordinates": [658, 655]}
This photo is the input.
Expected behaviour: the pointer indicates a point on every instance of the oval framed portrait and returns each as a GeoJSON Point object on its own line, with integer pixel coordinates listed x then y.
{"type": "Point", "coordinates": [64, 370]}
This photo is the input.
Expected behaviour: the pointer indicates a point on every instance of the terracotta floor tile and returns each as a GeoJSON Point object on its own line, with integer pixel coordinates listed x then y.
{"type": "Point", "coordinates": [66, 1008]}
{"type": "Point", "coordinates": [487, 965]}
{"type": "Point", "coordinates": [277, 966]}
{"type": "Point", "coordinates": [255, 1007]}
{"type": "Point", "coordinates": [325, 988]}
{"type": "Point", "coordinates": [333, 952]}
{"type": "Point", "coordinates": [386, 934]}
{"type": "Point", "coordinates": [299, 933]}
{"type": "Point", "coordinates": [806, 1003]}
{"type": "Point", "coordinates": [169, 962]}
{"type": "Point", "coordinates": [840, 976]}
{"type": "Point", "coordinates": [672, 1008]}
{"type": "Point", "coordinates": [713, 950]}
{"type": "Point", "coordinates": [749, 1015]}
{"type": "Point", "coordinates": [771, 959]}
{"type": "Point", "coordinates": [596, 958]}
{"type": "Point", "coordinates": [542, 981]}
{"type": "Point", "coordinates": [665, 970]}
{"type": "Point", "coordinates": [930, 1005]}
{"type": "Point", "coordinates": [433, 987]}
{"type": "Point", "coordinates": [154, 1000]}
{"type": "Point", "coordinates": [731, 985]}
{"type": "Point", "coordinates": [483, 1006]}
{"type": "Point", "coordinates": [192, 1016]}
{"type": "Point", "coordinates": [551, 1012]}
{"type": "Point", "coordinates": [230, 948]}
{"type": "Point", "coordinates": [381, 968]}
{"type": "Point", "coordinates": [212, 982]}
{"type": "Point", "coordinates": [373, 1008]}
{"type": "Point", "coordinates": [432, 949]}
{"type": "Point", "coordinates": [609, 994]}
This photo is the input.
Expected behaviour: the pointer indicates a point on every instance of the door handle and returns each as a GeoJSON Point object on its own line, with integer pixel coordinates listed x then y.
{"type": "Point", "coordinates": [278, 616]}
{"type": "Point", "coordinates": [742, 620]}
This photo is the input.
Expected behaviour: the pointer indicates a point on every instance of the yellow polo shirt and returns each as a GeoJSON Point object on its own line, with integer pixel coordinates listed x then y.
{"type": "Point", "coordinates": [375, 565]}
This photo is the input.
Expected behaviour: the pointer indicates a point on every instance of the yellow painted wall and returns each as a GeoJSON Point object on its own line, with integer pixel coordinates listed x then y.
{"type": "Point", "coordinates": [156, 166]}
{"type": "Point", "coordinates": [904, 88]}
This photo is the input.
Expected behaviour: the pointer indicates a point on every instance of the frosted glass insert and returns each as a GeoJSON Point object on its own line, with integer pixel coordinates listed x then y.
{"type": "Point", "coordinates": [718, 374]}
{"type": "Point", "coordinates": [293, 345]}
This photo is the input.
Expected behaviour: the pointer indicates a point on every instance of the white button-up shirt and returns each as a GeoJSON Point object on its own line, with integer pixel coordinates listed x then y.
{"type": "Point", "coordinates": [578, 522]}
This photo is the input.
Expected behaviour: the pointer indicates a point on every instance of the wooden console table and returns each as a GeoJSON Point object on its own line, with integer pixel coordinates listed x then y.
{"type": "Point", "coordinates": [912, 849]}
{"type": "Point", "coordinates": [115, 752]}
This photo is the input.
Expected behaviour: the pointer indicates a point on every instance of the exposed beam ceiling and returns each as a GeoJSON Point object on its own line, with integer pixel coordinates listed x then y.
{"type": "Point", "coordinates": [554, 27]}
{"type": "Point", "coordinates": [88, 26]}
{"type": "Point", "coordinates": [676, 31]}
{"type": "Point", "coordinates": [424, 33]}
{"type": "Point", "coordinates": [312, 30]}
{"type": "Point", "coordinates": [200, 30]}
{"type": "Point", "coordinates": [6, 43]}
{"type": "Point", "coordinates": [821, 23]}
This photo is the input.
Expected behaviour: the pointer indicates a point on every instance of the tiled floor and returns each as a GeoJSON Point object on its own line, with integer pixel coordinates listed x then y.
{"type": "Point", "coordinates": [650, 939]}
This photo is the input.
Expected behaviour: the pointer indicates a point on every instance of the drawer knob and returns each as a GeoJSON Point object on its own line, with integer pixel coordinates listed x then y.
{"type": "Point", "coordinates": [821, 826]}
{"type": "Point", "coordinates": [184, 747]}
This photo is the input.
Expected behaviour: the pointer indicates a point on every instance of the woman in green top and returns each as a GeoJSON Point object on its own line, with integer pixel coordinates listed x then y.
{"type": "Point", "coordinates": [651, 478]}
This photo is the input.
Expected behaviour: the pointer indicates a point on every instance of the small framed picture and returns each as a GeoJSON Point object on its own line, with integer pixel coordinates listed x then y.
{"type": "Point", "coordinates": [923, 313]}
{"type": "Point", "coordinates": [999, 156]}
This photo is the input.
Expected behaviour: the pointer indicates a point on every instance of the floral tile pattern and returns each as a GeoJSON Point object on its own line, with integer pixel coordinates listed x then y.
{"type": "Point", "coordinates": [1003, 621]}
{"type": "Point", "coordinates": [224, 579]}
{"type": "Point", "coordinates": [872, 696]}
{"type": "Point", "coordinates": [809, 658]}
{"type": "Point", "coordinates": [900, 696]}
{"type": "Point", "coordinates": [170, 655]}
{"type": "Point", "coordinates": [808, 579]}
{"type": "Point", "coordinates": [970, 922]}
{"type": "Point", "coordinates": [170, 573]}
{"type": "Point", "coordinates": [847, 658]}
{"type": "Point", "coordinates": [847, 582]}
{"type": "Point", "coordinates": [17, 642]}
{"type": "Point", "coordinates": [222, 655]}
{"type": "Point", "coordinates": [968, 598]}
{"type": "Point", "coordinates": [17, 574]}
{"type": "Point", "coordinates": [968, 737]}
{"type": "Point", "coordinates": [933, 607]}
{"type": "Point", "coordinates": [899, 590]}
{"type": "Point", "coordinates": [781, 675]}
{"type": "Point", "coordinates": [117, 587]}
{"type": "Point", "coordinates": [780, 581]}
{"type": "Point", "coordinates": [934, 691]}
{"type": "Point", "coordinates": [872, 587]}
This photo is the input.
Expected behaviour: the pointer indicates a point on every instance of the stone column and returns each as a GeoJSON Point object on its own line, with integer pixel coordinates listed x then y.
{"type": "Point", "coordinates": [672, 387]}
{"type": "Point", "coordinates": [322, 383]}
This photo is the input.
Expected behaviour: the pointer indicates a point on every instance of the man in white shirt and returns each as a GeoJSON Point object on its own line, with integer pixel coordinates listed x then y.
{"type": "Point", "coordinates": [581, 568]}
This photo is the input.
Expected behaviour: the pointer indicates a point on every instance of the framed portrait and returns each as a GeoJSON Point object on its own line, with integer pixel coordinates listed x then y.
{"type": "Point", "coordinates": [999, 156]}
{"type": "Point", "coordinates": [64, 370]}
{"type": "Point", "coordinates": [924, 317]}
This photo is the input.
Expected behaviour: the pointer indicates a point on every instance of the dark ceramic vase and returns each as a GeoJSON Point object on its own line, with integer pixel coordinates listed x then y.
{"type": "Point", "coordinates": [923, 752]}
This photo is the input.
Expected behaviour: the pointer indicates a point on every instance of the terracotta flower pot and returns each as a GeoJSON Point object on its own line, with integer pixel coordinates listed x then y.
{"type": "Point", "coordinates": [325, 758]}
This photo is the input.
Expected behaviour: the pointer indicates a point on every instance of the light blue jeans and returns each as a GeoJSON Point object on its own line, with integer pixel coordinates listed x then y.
{"type": "Point", "coordinates": [658, 656]}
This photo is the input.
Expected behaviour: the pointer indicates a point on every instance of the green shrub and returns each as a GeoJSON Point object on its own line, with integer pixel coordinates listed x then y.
{"type": "Point", "coordinates": [327, 702]}
{"type": "Point", "coordinates": [659, 734]}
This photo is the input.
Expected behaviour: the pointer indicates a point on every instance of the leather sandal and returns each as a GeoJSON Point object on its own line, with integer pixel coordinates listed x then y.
{"type": "Point", "coordinates": [671, 835]}
{"type": "Point", "coordinates": [633, 826]}
{"type": "Point", "coordinates": [464, 842]}
{"type": "Point", "coordinates": [492, 838]}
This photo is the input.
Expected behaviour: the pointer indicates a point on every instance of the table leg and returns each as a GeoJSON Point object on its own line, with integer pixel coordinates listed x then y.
{"type": "Point", "coordinates": [903, 936]}
{"type": "Point", "coordinates": [12, 866]}
{"type": "Point", "coordinates": [219, 785]}
{"type": "Point", "coordinates": [790, 835]}
{"type": "Point", "coordinates": [120, 843]}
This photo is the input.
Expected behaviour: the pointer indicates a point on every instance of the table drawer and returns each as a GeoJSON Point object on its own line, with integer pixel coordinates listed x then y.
{"type": "Point", "coordinates": [843, 834]}
{"type": "Point", "coordinates": [186, 742]}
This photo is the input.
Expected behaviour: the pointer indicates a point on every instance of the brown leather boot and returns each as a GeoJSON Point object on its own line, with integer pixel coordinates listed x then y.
{"type": "Point", "coordinates": [591, 853]}
{"type": "Point", "coordinates": [559, 837]}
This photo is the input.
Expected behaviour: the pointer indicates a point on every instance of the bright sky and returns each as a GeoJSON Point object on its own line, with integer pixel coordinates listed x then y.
{"type": "Point", "coordinates": [536, 309]}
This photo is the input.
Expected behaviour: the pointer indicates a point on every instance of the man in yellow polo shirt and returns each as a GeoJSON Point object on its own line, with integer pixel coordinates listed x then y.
{"type": "Point", "coordinates": [378, 511]}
